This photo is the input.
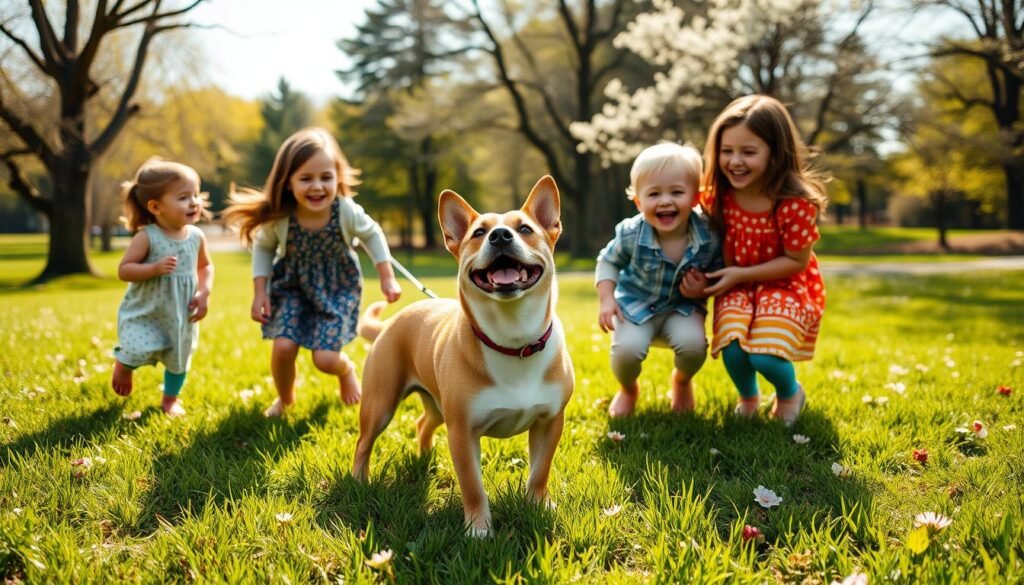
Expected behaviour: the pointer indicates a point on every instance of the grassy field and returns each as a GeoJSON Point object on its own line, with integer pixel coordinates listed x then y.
{"type": "Point", "coordinates": [226, 495]}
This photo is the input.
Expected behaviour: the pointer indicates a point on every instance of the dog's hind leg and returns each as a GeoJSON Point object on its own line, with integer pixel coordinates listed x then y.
{"type": "Point", "coordinates": [428, 422]}
{"type": "Point", "coordinates": [383, 386]}
{"type": "Point", "coordinates": [544, 437]}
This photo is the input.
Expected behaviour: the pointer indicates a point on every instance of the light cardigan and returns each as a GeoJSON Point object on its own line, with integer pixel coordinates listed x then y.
{"type": "Point", "coordinates": [269, 244]}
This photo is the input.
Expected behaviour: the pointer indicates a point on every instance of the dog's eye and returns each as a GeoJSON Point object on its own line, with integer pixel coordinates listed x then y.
{"type": "Point", "coordinates": [478, 232]}
{"type": "Point", "coordinates": [525, 229]}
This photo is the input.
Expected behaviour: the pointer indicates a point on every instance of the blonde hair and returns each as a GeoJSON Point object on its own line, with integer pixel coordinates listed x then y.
{"type": "Point", "coordinates": [660, 156]}
{"type": "Point", "coordinates": [150, 183]}
{"type": "Point", "coordinates": [249, 208]}
{"type": "Point", "coordinates": [788, 174]}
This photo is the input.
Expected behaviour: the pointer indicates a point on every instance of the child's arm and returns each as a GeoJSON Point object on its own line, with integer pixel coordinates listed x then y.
{"type": "Point", "coordinates": [260, 311]}
{"type": "Point", "coordinates": [264, 248]}
{"type": "Point", "coordinates": [791, 263]}
{"type": "Point", "coordinates": [204, 268]}
{"type": "Point", "coordinates": [609, 306]}
{"type": "Point", "coordinates": [133, 269]}
{"type": "Point", "coordinates": [388, 283]}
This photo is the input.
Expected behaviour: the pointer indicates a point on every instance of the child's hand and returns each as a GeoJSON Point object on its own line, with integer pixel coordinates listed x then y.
{"type": "Point", "coordinates": [609, 310]}
{"type": "Point", "coordinates": [260, 308]}
{"type": "Point", "coordinates": [728, 277]}
{"type": "Point", "coordinates": [693, 284]}
{"type": "Point", "coordinates": [165, 265]}
{"type": "Point", "coordinates": [391, 289]}
{"type": "Point", "coordinates": [197, 307]}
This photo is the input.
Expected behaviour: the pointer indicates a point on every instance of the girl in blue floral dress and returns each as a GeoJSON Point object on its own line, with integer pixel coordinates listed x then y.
{"type": "Point", "coordinates": [306, 278]}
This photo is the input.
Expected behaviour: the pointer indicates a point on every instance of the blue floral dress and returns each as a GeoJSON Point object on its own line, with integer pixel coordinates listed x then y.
{"type": "Point", "coordinates": [315, 288]}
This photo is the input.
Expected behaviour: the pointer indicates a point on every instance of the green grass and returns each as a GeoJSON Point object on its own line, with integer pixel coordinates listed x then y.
{"type": "Point", "coordinates": [198, 498]}
{"type": "Point", "coordinates": [850, 239]}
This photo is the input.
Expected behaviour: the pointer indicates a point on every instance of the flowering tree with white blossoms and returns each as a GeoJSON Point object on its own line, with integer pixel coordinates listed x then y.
{"type": "Point", "coordinates": [736, 46]}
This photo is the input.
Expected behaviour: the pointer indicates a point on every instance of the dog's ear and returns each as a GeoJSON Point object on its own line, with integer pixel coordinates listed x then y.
{"type": "Point", "coordinates": [455, 216]}
{"type": "Point", "coordinates": [544, 206]}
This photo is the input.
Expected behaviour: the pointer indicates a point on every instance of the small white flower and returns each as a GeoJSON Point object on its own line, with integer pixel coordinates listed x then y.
{"type": "Point", "coordinates": [379, 560]}
{"type": "Point", "coordinates": [932, 520]}
{"type": "Point", "coordinates": [612, 510]}
{"type": "Point", "coordinates": [284, 517]}
{"type": "Point", "coordinates": [854, 579]}
{"type": "Point", "coordinates": [897, 387]}
{"type": "Point", "coordinates": [979, 429]}
{"type": "Point", "coordinates": [867, 399]}
{"type": "Point", "coordinates": [1009, 427]}
{"type": "Point", "coordinates": [515, 462]}
{"type": "Point", "coordinates": [714, 452]}
{"type": "Point", "coordinates": [133, 415]}
{"type": "Point", "coordinates": [801, 439]}
{"type": "Point", "coordinates": [99, 459]}
{"type": "Point", "coordinates": [881, 400]}
{"type": "Point", "coordinates": [246, 394]}
{"type": "Point", "coordinates": [616, 436]}
{"type": "Point", "coordinates": [898, 370]}
{"type": "Point", "coordinates": [840, 470]}
{"type": "Point", "coordinates": [766, 497]}
{"type": "Point", "coordinates": [17, 511]}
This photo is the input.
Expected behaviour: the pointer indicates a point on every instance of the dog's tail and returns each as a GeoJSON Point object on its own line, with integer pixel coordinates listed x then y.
{"type": "Point", "coordinates": [370, 323]}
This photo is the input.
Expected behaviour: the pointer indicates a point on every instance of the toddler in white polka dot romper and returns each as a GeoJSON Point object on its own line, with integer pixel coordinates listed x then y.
{"type": "Point", "coordinates": [167, 265]}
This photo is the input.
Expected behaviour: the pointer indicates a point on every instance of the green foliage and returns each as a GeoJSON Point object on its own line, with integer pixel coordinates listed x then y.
{"type": "Point", "coordinates": [283, 114]}
{"type": "Point", "coordinates": [207, 497]}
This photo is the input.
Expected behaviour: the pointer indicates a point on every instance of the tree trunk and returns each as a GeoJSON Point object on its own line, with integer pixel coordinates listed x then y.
{"type": "Point", "coordinates": [427, 214]}
{"type": "Point", "coordinates": [1014, 196]}
{"type": "Point", "coordinates": [939, 203]}
{"type": "Point", "coordinates": [581, 245]}
{"type": "Point", "coordinates": [69, 224]}
{"type": "Point", "coordinates": [862, 204]}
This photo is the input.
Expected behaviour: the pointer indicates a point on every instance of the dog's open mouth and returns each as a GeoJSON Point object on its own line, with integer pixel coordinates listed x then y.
{"type": "Point", "coordinates": [505, 275]}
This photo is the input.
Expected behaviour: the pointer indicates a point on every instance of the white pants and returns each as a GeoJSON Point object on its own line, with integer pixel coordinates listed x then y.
{"type": "Point", "coordinates": [684, 335]}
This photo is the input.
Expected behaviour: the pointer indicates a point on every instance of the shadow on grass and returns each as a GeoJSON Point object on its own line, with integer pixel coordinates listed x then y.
{"type": "Point", "coordinates": [394, 510]}
{"type": "Point", "coordinates": [225, 460]}
{"type": "Point", "coordinates": [727, 458]}
{"type": "Point", "coordinates": [97, 426]}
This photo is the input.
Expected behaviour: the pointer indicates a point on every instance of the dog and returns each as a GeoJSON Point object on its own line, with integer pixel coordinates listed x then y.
{"type": "Point", "coordinates": [492, 363]}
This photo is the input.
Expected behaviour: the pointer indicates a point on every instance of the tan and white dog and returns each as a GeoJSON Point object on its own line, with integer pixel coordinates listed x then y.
{"type": "Point", "coordinates": [492, 363]}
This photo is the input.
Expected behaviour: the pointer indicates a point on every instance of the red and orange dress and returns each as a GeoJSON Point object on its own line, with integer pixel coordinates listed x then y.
{"type": "Point", "coordinates": [777, 317]}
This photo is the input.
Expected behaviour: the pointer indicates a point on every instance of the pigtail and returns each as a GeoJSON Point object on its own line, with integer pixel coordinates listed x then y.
{"type": "Point", "coordinates": [135, 213]}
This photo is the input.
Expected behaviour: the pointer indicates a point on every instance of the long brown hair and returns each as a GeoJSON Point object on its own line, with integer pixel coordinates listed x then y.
{"type": "Point", "coordinates": [249, 208]}
{"type": "Point", "coordinates": [788, 174]}
{"type": "Point", "coordinates": [150, 183]}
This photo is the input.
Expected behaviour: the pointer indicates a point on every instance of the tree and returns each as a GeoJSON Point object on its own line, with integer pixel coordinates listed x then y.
{"type": "Point", "coordinates": [400, 47]}
{"type": "Point", "coordinates": [819, 67]}
{"type": "Point", "coordinates": [549, 90]}
{"type": "Point", "coordinates": [65, 59]}
{"type": "Point", "coordinates": [997, 44]}
{"type": "Point", "coordinates": [283, 114]}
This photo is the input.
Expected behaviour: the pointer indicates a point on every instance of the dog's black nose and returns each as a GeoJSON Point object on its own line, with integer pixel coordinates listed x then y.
{"type": "Point", "coordinates": [500, 237]}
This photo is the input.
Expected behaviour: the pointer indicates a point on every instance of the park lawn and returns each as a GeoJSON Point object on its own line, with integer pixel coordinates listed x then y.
{"type": "Point", "coordinates": [227, 495]}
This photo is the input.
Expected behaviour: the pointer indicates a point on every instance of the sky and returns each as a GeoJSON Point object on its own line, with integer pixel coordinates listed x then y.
{"type": "Point", "coordinates": [268, 39]}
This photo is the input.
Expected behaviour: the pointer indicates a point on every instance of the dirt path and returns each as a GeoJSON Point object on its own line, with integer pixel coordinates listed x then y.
{"type": "Point", "coordinates": [899, 268]}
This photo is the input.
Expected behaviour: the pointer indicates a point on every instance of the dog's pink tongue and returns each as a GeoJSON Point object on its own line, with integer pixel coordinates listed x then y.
{"type": "Point", "coordinates": [504, 276]}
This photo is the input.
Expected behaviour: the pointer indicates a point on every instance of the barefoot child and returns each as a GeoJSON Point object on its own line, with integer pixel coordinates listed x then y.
{"type": "Point", "coordinates": [770, 297]}
{"type": "Point", "coordinates": [650, 276]}
{"type": "Point", "coordinates": [167, 265]}
{"type": "Point", "coordinates": [306, 278]}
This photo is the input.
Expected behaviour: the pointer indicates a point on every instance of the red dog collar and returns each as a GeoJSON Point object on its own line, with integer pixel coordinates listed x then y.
{"type": "Point", "coordinates": [522, 352]}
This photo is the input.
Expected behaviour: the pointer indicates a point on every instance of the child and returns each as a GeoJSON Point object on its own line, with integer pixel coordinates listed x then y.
{"type": "Point", "coordinates": [650, 276]}
{"type": "Point", "coordinates": [770, 297]}
{"type": "Point", "coordinates": [167, 265]}
{"type": "Point", "coordinates": [306, 277]}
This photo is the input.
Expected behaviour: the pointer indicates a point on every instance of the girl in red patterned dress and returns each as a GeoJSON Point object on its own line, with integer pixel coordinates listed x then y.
{"type": "Point", "coordinates": [770, 297]}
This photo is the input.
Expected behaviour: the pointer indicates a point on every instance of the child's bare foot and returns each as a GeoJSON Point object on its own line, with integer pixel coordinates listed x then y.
{"type": "Point", "coordinates": [350, 390]}
{"type": "Point", "coordinates": [121, 382]}
{"type": "Point", "coordinates": [624, 401]}
{"type": "Point", "coordinates": [172, 406]}
{"type": "Point", "coordinates": [276, 409]}
{"type": "Point", "coordinates": [747, 407]}
{"type": "Point", "coordinates": [681, 394]}
{"type": "Point", "coordinates": [789, 409]}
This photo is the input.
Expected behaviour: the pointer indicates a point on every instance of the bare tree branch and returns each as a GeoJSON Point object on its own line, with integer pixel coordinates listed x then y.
{"type": "Point", "coordinates": [38, 60]}
{"type": "Point", "coordinates": [20, 184]}
{"type": "Point", "coordinates": [48, 42]}
{"type": "Point", "coordinates": [159, 15]}
{"type": "Point", "coordinates": [32, 139]}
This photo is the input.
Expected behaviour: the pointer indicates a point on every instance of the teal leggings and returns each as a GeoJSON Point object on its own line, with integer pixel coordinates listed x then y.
{"type": "Point", "coordinates": [743, 368]}
{"type": "Point", "coordinates": [172, 382]}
